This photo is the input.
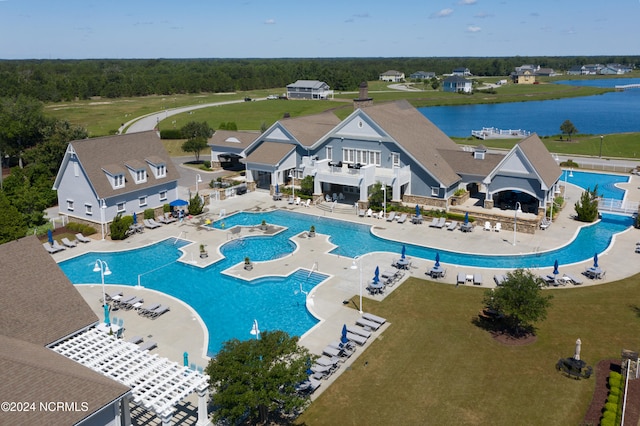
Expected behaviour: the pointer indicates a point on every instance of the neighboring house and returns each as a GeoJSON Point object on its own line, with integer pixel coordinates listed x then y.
{"type": "Point", "coordinates": [456, 83]}
{"type": "Point", "coordinates": [621, 69]}
{"type": "Point", "coordinates": [592, 69]}
{"type": "Point", "coordinates": [392, 76]}
{"type": "Point", "coordinates": [576, 70]}
{"type": "Point", "coordinates": [394, 144]}
{"type": "Point", "coordinates": [227, 148]}
{"type": "Point", "coordinates": [461, 71]}
{"type": "Point", "coordinates": [309, 89]}
{"type": "Point", "coordinates": [422, 75]}
{"type": "Point", "coordinates": [524, 76]}
{"type": "Point", "coordinates": [102, 177]}
{"type": "Point", "coordinates": [545, 72]}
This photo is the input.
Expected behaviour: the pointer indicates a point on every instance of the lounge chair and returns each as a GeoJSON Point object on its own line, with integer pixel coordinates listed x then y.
{"type": "Point", "coordinates": [545, 223]}
{"type": "Point", "coordinates": [149, 224]}
{"type": "Point", "coordinates": [362, 212]}
{"type": "Point", "coordinates": [68, 243]}
{"type": "Point", "coordinates": [153, 222]}
{"type": "Point", "coordinates": [123, 300]}
{"type": "Point", "coordinates": [326, 361]}
{"type": "Point", "coordinates": [374, 318]}
{"type": "Point", "coordinates": [369, 212]}
{"type": "Point", "coordinates": [356, 338]}
{"type": "Point", "coordinates": [308, 203]}
{"type": "Point", "coordinates": [162, 220]}
{"type": "Point", "coordinates": [346, 349]}
{"type": "Point", "coordinates": [48, 248]}
{"type": "Point", "coordinates": [359, 331]}
{"type": "Point", "coordinates": [416, 220]}
{"type": "Point", "coordinates": [113, 296]}
{"type": "Point", "coordinates": [367, 324]}
{"type": "Point", "coordinates": [291, 200]}
{"type": "Point", "coordinates": [441, 222]}
{"type": "Point", "coordinates": [148, 345]}
{"type": "Point", "coordinates": [499, 279]}
{"type": "Point", "coordinates": [297, 201]}
{"type": "Point", "coordinates": [434, 222]}
{"type": "Point", "coordinates": [146, 309]}
{"type": "Point", "coordinates": [136, 340]}
{"type": "Point", "coordinates": [129, 304]}
{"type": "Point", "coordinates": [477, 279]}
{"type": "Point", "coordinates": [574, 280]}
{"type": "Point", "coordinates": [402, 218]}
{"type": "Point", "coordinates": [498, 227]}
{"type": "Point", "coordinates": [487, 226]}
{"type": "Point", "coordinates": [82, 238]}
{"type": "Point", "coordinates": [453, 225]}
{"type": "Point", "coordinates": [462, 278]}
{"type": "Point", "coordinates": [321, 371]}
{"type": "Point", "coordinates": [391, 216]}
{"type": "Point", "coordinates": [56, 245]}
{"type": "Point", "coordinates": [158, 311]}
{"type": "Point", "coordinates": [168, 218]}
{"type": "Point", "coordinates": [330, 351]}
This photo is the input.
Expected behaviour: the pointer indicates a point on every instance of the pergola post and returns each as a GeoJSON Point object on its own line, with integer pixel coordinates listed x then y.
{"type": "Point", "coordinates": [125, 411]}
{"type": "Point", "coordinates": [203, 416]}
{"type": "Point", "coordinates": [167, 418]}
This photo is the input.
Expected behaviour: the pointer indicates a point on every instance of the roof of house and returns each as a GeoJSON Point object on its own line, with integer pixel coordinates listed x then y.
{"type": "Point", "coordinates": [232, 139]}
{"type": "Point", "coordinates": [308, 129]}
{"type": "Point", "coordinates": [311, 84]}
{"type": "Point", "coordinates": [270, 153]}
{"type": "Point", "coordinates": [40, 304]}
{"type": "Point", "coordinates": [114, 153]}
{"type": "Point", "coordinates": [541, 159]}
{"type": "Point", "coordinates": [392, 73]}
{"type": "Point", "coordinates": [417, 135]}
{"type": "Point", "coordinates": [463, 162]}
{"type": "Point", "coordinates": [456, 79]}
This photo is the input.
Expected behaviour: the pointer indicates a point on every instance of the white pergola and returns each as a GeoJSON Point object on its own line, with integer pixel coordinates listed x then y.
{"type": "Point", "coordinates": [157, 384]}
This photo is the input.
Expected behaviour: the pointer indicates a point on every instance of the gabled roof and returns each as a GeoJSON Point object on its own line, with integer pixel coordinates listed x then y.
{"type": "Point", "coordinates": [392, 73]}
{"type": "Point", "coordinates": [39, 303]}
{"type": "Point", "coordinates": [418, 136]}
{"type": "Point", "coordinates": [232, 139]}
{"type": "Point", "coordinates": [308, 129]}
{"type": "Point", "coordinates": [270, 153]}
{"type": "Point", "coordinates": [463, 162]}
{"type": "Point", "coordinates": [456, 79]}
{"type": "Point", "coordinates": [310, 84]}
{"type": "Point", "coordinates": [114, 154]}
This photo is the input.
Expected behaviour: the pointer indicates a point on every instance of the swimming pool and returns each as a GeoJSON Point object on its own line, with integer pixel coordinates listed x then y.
{"type": "Point", "coordinates": [606, 182]}
{"type": "Point", "coordinates": [227, 305]}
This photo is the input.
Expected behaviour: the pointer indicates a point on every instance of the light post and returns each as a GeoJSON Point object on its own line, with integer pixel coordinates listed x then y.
{"type": "Point", "coordinates": [103, 207]}
{"type": "Point", "coordinates": [384, 202]}
{"type": "Point", "coordinates": [601, 138]}
{"type": "Point", "coordinates": [358, 266]}
{"type": "Point", "coordinates": [515, 220]}
{"type": "Point", "coordinates": [198, 180]}
{"type": "Point", "coordinates": [293, 184]}
{"type": "Point", "coordinates": [102, 267]}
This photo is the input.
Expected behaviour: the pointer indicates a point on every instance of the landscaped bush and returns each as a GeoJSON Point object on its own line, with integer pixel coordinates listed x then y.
{"type": "Point", "coordinates": [171, 134]}
{"type": "Point", "coordinates": [570, 163]}
{"type": "Point", "coordinates": [166, 208]}
{"type": "Point", "coordinates": [613, 399]}
{"type": "Point", "coordinates": [120, 226]}
{"type": "Point", "coordinates": [81, 227]}
{"type": "Point", "coordinates": [149, 214]}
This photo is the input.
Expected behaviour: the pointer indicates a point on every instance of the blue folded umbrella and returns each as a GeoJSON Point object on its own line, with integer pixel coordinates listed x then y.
{"type": "Point", "coordinates": [437, 260]}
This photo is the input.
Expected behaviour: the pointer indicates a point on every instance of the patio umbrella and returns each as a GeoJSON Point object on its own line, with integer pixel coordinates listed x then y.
{"type": "Point", "coordinates": [376, 275]}
{"type": "Point", "coordinates": [418, 210]}
{"type": "Point", "coordinates": [178, 203]}
{"type": "Point", "coordinates": [595, 260]}
{"type": "Point", "coordinates": [107, 320]}
{"type": "Point", "coordinates": [437, 264]}
{"type": "Point", "coordinates": [404, 252]}
{"type": "Point", "coordinates": [343, 338]}
{"type": "Point", "coordinates": [135, 218]}
{"type": "Point", "coordinates": [466, 218]}
{"type": "Point", "coordinates": [277, 189]}
{"type": "Point", "coordinates": [555, 268]}
{"type": "Point", "coordinates": [185, 359]}
{"type": "Point", "coordinates": [50, 236]}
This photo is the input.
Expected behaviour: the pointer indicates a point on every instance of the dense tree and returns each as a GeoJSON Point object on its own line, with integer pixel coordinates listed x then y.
{"type": "Point", "coordinates": [196, 205]}
{"type": "Point", "coordinates": [22, 123]}
{"type": "Point", "coordinates": [12, 224]}
{"type": "Point", "coordinates": [376, 196]}
{"type": "Point", "coordinates": [253, 378]}
{"type": "Point", "coordinates": [519, 300]}
{"type": "Point", "coordinates": [197, 135]}
{"type": "Point", "coordinates": [567, 128]}
{"type": "Point", "coordinates": [306, 185]}
{"type": "Point", "coordinates": [587, 206]}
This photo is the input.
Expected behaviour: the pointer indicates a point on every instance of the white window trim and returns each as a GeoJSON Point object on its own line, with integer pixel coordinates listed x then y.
{"type": "Point", "coordinates": [88, 209]}
{"type": "Point", "coordinates": [124, 207]}
{"type": "Point", "coordinates": [118, 181]}
{"type": "Point", "coordinates": [163, 195]}
{"type": "Point", "coordinates": [329, 153]}
{"type": "Point", "coordinates": [435, 191]}
{"type": "Point", "coordinates": [142, 201]}
{"type": "Point", "coordinates": [70, 205]}
{"type": "Point", "coordinates": [395, 159]}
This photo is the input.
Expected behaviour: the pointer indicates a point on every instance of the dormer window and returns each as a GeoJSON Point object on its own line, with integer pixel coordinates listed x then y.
{"type": "Point", "coordinates": [141, 176]}
{"type": "Point", "coordinates": [138, 170]}
{"type": "Point", "coordinates": [158, 166]}
{"type": "Point", "coordinates": [115, 175]}
{"type": "Point", "coordinates": [118, 181]}
{"type": "Point", "coordinates": [479, 152]}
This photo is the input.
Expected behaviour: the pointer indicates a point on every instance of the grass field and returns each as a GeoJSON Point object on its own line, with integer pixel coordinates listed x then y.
{"type": "Point", "coordinates": [434, 366]}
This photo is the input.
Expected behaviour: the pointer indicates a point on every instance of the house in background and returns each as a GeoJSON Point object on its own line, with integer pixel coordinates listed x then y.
{"type": "Point", "coordinates": [456, 84]}
{"type": "Point", "coordinates": [227, 148]}
{"type": "Point", "coordinates": [100, 178]}
{"type": "Point", "coordinates": [524, 76]}
{"type": "Point", "coordinates": [461, 71]}
{"type": "Point", "coordinates": [392, 76]}
{"type": "Point", "coordinates": [422, 75]}
{"type": "Point", "coordinates": [309, 89]}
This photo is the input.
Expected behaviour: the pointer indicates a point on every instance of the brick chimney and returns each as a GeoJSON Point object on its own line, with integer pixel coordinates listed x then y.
{"type": "Point", "coordinates": [363, 99]}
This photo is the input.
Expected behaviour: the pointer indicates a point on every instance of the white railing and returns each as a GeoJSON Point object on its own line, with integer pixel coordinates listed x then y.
{"type": "Point", "coordinates": [617, 206]}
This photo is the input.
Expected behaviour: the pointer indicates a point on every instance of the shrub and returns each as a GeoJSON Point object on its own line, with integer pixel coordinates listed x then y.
{"type": "Point", "coordinates": [149, 214]}
{"type": "Point", "coordinates": [613, 399]}
{"type": "Point", "coordinates": [80, 227]}
{"type": "Point", "coordinates": [613, 408]}
{"type": "Point", "coordinates": [460, 192]}
{"type": "Point", "coordinates": [570, 163]}
{"type": "Point", "coordinates": [196, 206]}
{"type": "Point", "coordinates": [206, 164]}
{"type": "Point", "coordinates": [166, 208]}
{"type": "Point", "coordinates": [615, 390]}
{"type": "Point", "coordinates": [120, 226]}
{"type": "Point", "coordinates": [171, 134]}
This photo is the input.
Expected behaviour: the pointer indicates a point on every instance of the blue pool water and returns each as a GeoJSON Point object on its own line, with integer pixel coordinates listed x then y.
{"type": "Point", "coordinates": [606, 183]}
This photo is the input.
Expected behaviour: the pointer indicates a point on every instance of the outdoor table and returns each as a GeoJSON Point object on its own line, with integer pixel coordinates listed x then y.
{"type": "Point", "coordinates": [108, 328]}
{"type": "Point", "coordinates": [436, 272]}
{"type": "Point", "coordinates": [403, 263]}
{"type": "Point", "coordinates": [376, 287]}
{"type": "Point", "coordinates": [466, 227]}
{"type": "Point", "coordinates": [277, 197]}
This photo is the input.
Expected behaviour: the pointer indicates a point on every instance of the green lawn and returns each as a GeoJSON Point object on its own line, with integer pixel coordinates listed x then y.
{"type": "Point", "coordinates": [434, 366]}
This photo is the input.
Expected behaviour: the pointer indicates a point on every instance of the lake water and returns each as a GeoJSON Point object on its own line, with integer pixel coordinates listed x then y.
{"type": "Point", "coordinates": [615, 112]}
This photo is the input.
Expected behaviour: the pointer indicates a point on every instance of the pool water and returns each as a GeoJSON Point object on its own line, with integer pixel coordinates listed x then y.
{"type": "Point", "coordinates": [606, 182]}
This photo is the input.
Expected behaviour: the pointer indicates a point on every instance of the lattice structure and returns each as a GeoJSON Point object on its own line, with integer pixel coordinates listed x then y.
{"type": "Point", "coordinates": [157, 384]}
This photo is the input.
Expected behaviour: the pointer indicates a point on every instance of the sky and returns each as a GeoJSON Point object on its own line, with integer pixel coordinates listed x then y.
{"type": "Point", "coordinates": [122, 29]}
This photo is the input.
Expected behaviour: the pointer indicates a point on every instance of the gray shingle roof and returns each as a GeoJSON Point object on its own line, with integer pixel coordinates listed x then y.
{"type": "Point", "coordinates": [228, 138]}
{"type": "Point", "coordinates": [111, 152]}
{"type": "Point", "coordinates": [463, 162]}
{"type": "Point", "coordinates": [270, 153]}
{"type": "Point", "coordinates": [541, 159]}
{"type": "Point", "coordinates": [308, 129]}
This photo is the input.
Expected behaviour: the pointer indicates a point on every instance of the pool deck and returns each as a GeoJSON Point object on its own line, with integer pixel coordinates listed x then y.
{"type": "Point", "coordinates": [182, 330]}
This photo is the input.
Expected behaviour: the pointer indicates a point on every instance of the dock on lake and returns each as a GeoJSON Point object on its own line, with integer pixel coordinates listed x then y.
{"type": "Point", "coordinates": [494, 133]}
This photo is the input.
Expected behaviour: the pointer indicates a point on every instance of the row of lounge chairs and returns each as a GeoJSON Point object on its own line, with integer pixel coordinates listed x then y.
{"type": "Point", "coordinates": [66, 243]}
{"type": "Point", "coordinates": [153, 311]}
{"type": "Point", "coordinates": [463, 278]}
{"type": "Point", "coordinates": [298, 202]}
{"type": "Point", "coordinates": [496, 228]}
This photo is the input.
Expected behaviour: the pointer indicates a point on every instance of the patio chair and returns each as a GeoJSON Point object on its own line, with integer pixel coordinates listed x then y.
{"type": "Point", "coordinates": [462, 278]}
{"type": "Point", "coordinates": [326, 361]}
{"type": "Point", "coordinates": [150, 225]}
{"type": "Point", "coordinates": [297, 201]}
{"type": "Point", "coordinates": [356, 338]}
{"type": "Point", "coordinates": [368, 324]}
{"type": "Point", "coordinates": [498, 227]}
{"type": "Point", "coordinates": [56, 245]}
{"type": "Point", "coordinates": [487, 226]}
{"type": "Point", "coordinates": [545, 223]}
{"type": "Point", "coordinates": [499, 279]}
{"type": "Point", "coordinates": [144, 310]}
{"type": "Point", "coordinates": [129, 304]}
{"type": "Point", "coordinates": [82, 238]}
{"type": "Point", "coordinates": [153, 222]}
{"type": "Point", "coordinates": [48, 248]}
{"type": "Point", "coordinates": [361, 212]}
{"type": "Point", "coordinates": [68, 243]}
{"type": "Point", "coordinates": [308, 203]}
{"type": "Point", "coordinates": [321, 371]}
{"type": "Point", "coordinates": [391, 216]}
{"type": "Point", "coordinates": [453, 225]}
{"type": "Point", "coordinates": [147, 346]}
{"type": "Point", "coordinates": [330, 351]}
{"type": "Point", "coordinates": [162, 220]}
{"type": "Point", "coordinates": [441, 222]}
{"type": "Point", "coordinates": [369, 212]}
{"type": "Point", "coordinates": [434, 223]}
{"type": "Point", "coordinates": [358, 331]}
{"type": "Point", "coordinates": [477, 279]}
{"type": "Point", "coordinates": [374, 318]}
{"type": "Point", "coordinates": [158, 311]}
{"type": "Point", "coordinates": [123, 300]}
{"type": "Point", "coordinates": [348, 347]}
{"type": "Point", "coordinates": [402, 218]}
{"type": "Point", "coordinates": [168, 218]}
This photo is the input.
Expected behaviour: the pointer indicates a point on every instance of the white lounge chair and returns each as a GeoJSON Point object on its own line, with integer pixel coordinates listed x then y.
{"type": "Point", "coordinates": [369, 212]}
{"type": "Point", "coordinates": [374, 318]}
{"type": "Point", "coordinates": [356, 338]}
{"type": "Point", "coordinates": [146, 309]}
{"type": "Point", "coordinates": [462, 278]}
{"type": "Point", "coordinates": [368, 324]}
{"type": "Point", "coordinates": [153, 222]}
{"type": "Point", "coordinates": [499, 279]}
{"type": "Point", "coordinates": [498, 227]}
{"type": "Point", "coordinates": [158, 311]}
{"type": "Point", "coordinates": [361, 212]}
{"type": "Point", "coordinates": [487, 226]}
{"type": "Point", "coordinates": [326, 361]}
{"type": "Point", "coordinates": [453, 225]}
{"type": "Point", "coordinates": [402, 218]}
{"type": "Point", "coordinates": [68, 243]}
{"type": "Point", "coordinates": [359, 331]}
{"type": "Point", "coordinates": [161, 220]}
{"type": "Point", "coordinates": [56, 245]}
{"type": "Point", "coordinates": [148, 345]}
{"type": "Point", "coordinates": [331, 351]}
{"type": "Point", "coordinates": [136, 340]}
{"type": "Point", "coordinates": [391, 216]}
{"type": "Point", "coordinates": [545, 223]}
{"type": "Point", "coordinates": [574, 280]}
{"type": "Point", "coordinates": [308, 203]}
{"type": "Point", "coordinates": [48, 248]}
{"type": "Point", "coordinates": [477, 279]}
{"type": "Point", "coordinates": [434, 222]}
{"type": "Point", "coordinates": [82, 238]}
{"type": "Point", "coordinates": [149, 224]}
{"type": "Point", "coordinates": [441, 222]}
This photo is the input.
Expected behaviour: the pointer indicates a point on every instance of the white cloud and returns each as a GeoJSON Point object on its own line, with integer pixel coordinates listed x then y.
{"type": "Point", "coordinates": [270, 21]}
{"type": "Point", "coordinates": [467, 2]}
{"type": "Point", "coordinates": [483, 15]}
{"type": "Point", "coordinates": [443, 13]}
{"type": "Point", "coordinates": [473, 29]}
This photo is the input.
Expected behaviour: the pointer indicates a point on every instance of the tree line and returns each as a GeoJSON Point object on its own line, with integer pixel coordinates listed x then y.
{"type": "Point", "coordinates": [66, 80]}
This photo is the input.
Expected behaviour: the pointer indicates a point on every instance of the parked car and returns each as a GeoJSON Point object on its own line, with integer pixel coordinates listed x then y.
{"type": "Point", "coordinates": [270, 97]}
{"type": "Point", "coordinates": [247, 99]}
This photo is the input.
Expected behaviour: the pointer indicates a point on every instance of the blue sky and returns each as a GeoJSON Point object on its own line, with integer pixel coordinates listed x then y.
{"type": "Point", "coordinates": [79, 29]}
